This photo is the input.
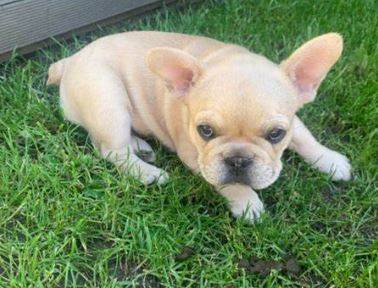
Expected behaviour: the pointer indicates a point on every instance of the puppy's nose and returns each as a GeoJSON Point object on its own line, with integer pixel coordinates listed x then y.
{"type": "Point", "coordinates": [238, 162]}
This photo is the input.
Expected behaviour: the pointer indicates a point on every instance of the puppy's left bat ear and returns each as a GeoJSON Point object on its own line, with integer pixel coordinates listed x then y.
{"type": "Point", "coordinates": [178, 69]}
{"type": "Point", "coordinates": [309, 64]}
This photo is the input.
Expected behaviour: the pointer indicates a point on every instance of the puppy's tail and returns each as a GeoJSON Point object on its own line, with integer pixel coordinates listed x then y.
{"type": "Point", "coordinates": [56, 72]}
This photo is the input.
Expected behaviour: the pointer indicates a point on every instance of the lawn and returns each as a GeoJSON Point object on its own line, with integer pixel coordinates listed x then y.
{"type": "Point", "coordinates": [68, 218]}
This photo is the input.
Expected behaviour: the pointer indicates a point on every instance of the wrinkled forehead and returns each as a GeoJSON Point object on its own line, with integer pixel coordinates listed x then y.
{"type": "Point", "coordinates": [251, 99]}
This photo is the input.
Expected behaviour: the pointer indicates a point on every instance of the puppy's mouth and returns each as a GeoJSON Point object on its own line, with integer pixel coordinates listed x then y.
{"type": "Point", "coordinates": [240, 169]}
{"type": "Point", "coordinates": [258, 177]}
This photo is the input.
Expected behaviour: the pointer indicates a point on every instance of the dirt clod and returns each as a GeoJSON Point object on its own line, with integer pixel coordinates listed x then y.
{"type": "Point", "coordinates": [319, 226]}
{"type": "Point", "coordinates": [185, 253]}
{"type": "Point", "coordinates": [264, 267]}
{"type": "Point", "coordinates": [292, 266]}
{"type": "Point", "coordinates": [243, 264]}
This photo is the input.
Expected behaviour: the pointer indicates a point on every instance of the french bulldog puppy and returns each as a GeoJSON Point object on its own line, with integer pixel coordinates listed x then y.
{"type": "Point", "coordinates": [228, 113]}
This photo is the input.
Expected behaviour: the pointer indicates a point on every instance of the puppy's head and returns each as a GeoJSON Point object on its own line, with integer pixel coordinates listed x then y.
{"type": "Point", "coordinates": [241, 105]}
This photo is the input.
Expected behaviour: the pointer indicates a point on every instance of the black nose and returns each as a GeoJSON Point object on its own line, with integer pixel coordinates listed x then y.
{"type": "Point", "coordinates": [238, 162]}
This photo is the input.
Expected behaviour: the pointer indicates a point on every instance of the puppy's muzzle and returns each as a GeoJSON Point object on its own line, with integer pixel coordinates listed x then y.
{"type": "Point", "coordinates": [238, 163]}
{"type": "Point", "coordinates": [238, 168]}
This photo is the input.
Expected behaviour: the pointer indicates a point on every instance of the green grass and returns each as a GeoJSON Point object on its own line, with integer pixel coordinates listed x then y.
{"type": "Point", "coordinates": [68, 218]}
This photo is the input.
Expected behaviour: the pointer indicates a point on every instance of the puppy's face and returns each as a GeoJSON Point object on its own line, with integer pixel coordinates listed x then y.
{"type": "Point", "coordinates": [241, 108]}
{"type": "Point", "coordinates": [240, 121]}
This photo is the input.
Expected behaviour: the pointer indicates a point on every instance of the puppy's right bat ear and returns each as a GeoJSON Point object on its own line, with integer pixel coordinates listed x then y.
{"type": "Point", "coordinates": [178, 69]}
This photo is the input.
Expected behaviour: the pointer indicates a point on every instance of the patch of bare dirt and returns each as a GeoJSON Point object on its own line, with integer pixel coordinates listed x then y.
{"type": "Point", "coordinates": [263, 267]}
{"type": "Point", "coordinates": [131, 270]}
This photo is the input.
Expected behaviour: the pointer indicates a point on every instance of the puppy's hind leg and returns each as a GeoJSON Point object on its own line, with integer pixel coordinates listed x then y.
{"type": "Point", "coordinates": [319, 156]}
{"type": "Point", "coordinates": [102, 105]}
{"type": "Point", "coordinates": [125, 159]}
{"type": "Point", "coordinates": [117, 147]}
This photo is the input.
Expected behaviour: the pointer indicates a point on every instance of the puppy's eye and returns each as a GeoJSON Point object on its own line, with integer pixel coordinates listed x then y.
{"type": "Point", "coordinates": [275, 135]}
{"type": "Point", "coordinates": [205, 131]}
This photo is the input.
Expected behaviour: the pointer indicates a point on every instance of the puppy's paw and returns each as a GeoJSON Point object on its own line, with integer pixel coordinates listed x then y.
{"type": "Point", "coordinates": [334, 164]}
{"type": "Point", "coordinates": [250, 210]}
{"type": "Point", "coordinates": [153, 175]}
{"type": "Point", "coordinates": [142, 149]}
{"type": "Point", "coordinates": [147, 156]}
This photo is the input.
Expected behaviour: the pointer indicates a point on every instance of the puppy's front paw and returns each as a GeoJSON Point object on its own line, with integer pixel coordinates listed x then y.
{"type": "Point", "coordinates": [153, 175]}
{"type": "Point", "coordinates": [243, 201]}
{"type": "Point", "coordinates": [334, 164]}
{"type": "Point", "coordinates": [251, 209]}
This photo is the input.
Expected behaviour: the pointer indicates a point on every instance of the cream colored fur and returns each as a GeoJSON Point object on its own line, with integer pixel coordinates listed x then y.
{"type": "Point", "coordinates": [166, 84]}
